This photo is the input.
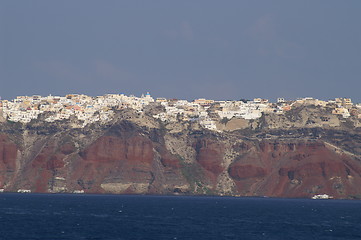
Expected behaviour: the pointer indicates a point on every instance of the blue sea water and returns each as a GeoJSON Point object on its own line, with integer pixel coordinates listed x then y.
{"type": "Point", "coordinates": [58, 216]}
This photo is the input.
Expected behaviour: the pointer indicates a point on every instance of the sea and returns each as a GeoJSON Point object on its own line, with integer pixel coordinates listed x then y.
{"type": "Point", "coordinates": [82, 216]}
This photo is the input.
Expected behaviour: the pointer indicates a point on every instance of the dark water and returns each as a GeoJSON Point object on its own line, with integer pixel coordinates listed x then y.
{"type": "Point", "coordinates": [32, 216]}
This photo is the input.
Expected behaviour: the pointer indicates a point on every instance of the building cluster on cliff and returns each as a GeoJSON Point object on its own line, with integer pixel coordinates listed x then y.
{"type": "Point", "coordinates": [207, 112]}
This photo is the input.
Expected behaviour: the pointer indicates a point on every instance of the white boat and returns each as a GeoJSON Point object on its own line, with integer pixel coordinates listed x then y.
{"type": "Point", "coordinates": [24, 191]}
{"type": "Point", "coordinates": [322, 196]}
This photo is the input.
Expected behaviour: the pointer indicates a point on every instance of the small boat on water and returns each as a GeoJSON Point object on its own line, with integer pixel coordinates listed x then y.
{"type": "Point", "coordinates": [322, 196]}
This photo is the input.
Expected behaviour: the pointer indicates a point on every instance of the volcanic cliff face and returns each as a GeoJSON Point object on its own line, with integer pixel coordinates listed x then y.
{"type": "Point", "coordinates": [295, 169]}
{"type": "Point", "coordinates": [8, 156]}
{"type": "Point", "coordinates": [136, 154]}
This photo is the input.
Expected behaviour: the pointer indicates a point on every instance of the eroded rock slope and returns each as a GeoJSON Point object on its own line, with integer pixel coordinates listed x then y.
{"type": "Point", "coordinates": [136, 154]}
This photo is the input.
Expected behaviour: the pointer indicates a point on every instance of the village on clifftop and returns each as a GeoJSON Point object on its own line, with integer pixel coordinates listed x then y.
{"type": "Point", "coordinates": [89, 109]}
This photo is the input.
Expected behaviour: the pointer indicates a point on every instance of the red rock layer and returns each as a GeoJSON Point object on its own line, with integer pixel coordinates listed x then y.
{"type": "Point", "coordinates": [38, 173]}
{"type": "Point", "coordinates": [129, 161]}
{"type": "Point", "coordinates": [300, 169]}
{"type": "Point", "coordinates": [210, 155]}
{"type": "Point", "coordinates": [134, 160]}
{"type": "Point", "coordinates": [8, 154]}
{"type": "Point", "coordinates": [113, 159]}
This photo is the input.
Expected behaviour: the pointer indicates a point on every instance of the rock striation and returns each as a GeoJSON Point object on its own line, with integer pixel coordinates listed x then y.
{"type": "Point", "coordinates": [275, 156]}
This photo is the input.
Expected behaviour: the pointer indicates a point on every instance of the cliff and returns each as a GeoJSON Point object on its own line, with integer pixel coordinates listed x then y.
{"type": "Point", "coordinates": [293, 155]}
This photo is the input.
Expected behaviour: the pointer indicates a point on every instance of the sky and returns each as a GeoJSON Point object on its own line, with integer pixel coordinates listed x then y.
{"type": "Point", "coordinates": [222, 50]}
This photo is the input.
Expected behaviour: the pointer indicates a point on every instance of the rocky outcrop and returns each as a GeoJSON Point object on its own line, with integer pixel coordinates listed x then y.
{"type": "Point", "coordinates": [295, 169]}
{"type": "Point", "coordinates": [210, 155]}
{"type": "Point", "coordinates": [135, 154]}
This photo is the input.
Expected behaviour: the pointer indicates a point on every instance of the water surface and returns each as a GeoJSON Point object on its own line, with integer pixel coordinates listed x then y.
{"type": "Point", "coordinates": [58, 216]}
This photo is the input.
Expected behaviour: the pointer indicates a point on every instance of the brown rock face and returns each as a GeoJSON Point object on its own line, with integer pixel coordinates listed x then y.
{"type": "Point", "coordinates": [121, 160]}
{"type": "Point", "coordinates": [112, 159]}
{"type": "Point", "coordinates": [126, 163]}
{"type": "Point", "coordinates": [8, 154]}
{"type": "Point", "coordinates": [168, 160]}
{"type": "Point", "coordinates": [113, 149]}
{"type": "Point", "coordinates": [128, 158]}
{"type": "Point", "coordinates": [67, 148]}
{"type": "Point", "coordinates": [241, 172]}
{"type": "Point", "coordinates": [298, 169]}
{"type": "Point", "coordinates": [210, 155]}
{"type": "Point", "coordinates": [39, 172]}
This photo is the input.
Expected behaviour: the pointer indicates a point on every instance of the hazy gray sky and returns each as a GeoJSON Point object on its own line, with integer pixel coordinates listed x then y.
{"type": "Point", "coordinates": [181, 49]}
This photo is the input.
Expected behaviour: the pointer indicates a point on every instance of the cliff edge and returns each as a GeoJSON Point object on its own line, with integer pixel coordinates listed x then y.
{"type": "Point", "coordinates": [302, 153]}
